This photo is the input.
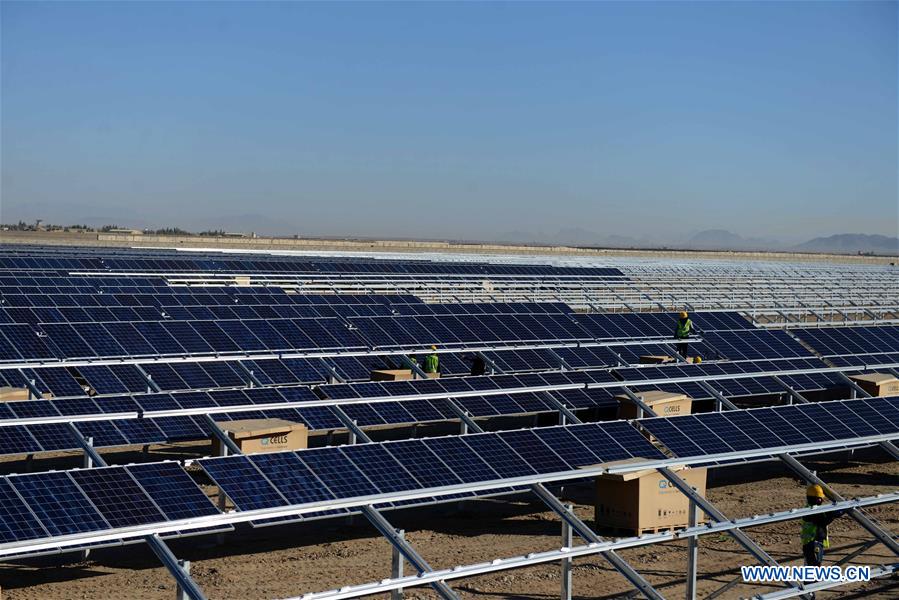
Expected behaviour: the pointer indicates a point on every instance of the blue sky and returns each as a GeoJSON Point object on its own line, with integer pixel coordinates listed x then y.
{"type": "Point", "coordinates": [469, 121]}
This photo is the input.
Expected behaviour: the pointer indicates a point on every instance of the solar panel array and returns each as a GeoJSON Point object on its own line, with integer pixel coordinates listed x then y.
{"type": "Point", "coordinates": [836, 341]}
{"type": "Point", "coordinates": [43, 505]}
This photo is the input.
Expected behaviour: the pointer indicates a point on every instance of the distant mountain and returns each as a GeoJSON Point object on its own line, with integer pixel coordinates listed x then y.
{"type": "Point", "coordinates": [851, 243]}
{"type": "Point", "coordinates": [721, 239]}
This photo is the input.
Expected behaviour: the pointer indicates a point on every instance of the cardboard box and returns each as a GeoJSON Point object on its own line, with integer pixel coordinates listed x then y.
{"type": "Point", "coordinates": [391, 374]}
{"type": "Point", "coordinates": [263, 435]}
{"type": "Point", "coordinates": [655, 359]}
{"type": "Point", "coordinates": [13, 393]}
{"type": "Point", "coordinates": [645, 500]}
{"type": "Point", "coordinates": [877, 384]}
{"type": "Point", "coordinates": [665, 404]}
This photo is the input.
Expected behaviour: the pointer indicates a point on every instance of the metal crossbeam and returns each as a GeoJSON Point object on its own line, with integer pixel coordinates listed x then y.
{"type": "Point", "coordinates": [351, 425]}
{"type": "Point", "coordinates": [185, 581]}
{"type": "Point", "coordinates": [408, 552]}
{"type": "Point", "coordinates": [884, 537]}
{"type": "Point", "coordinates": [581, 551]}
{"type": "Point", "coordinates": [221, 435]}
{"type": "Point", "coordinates": [159, 548]}
{"type": "Point", "coordinates": [588, 535]}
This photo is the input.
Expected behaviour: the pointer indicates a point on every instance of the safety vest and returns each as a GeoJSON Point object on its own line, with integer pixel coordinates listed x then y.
{"type": "Point", "coordinates": [431, 363]}
{"type": "Point", "coordinates": [683, 329]}
{"type": "Point", "coordinates": [809, 533]}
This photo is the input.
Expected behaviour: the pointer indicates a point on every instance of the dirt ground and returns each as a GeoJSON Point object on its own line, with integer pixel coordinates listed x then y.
{"type": "Point", "coordinates": [291, 560]}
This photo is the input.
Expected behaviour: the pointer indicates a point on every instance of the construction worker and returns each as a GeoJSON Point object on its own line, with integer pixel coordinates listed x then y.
{"type": "Point", "coordinates": [814, 527]}
{"type": "Point", "coordinates": [682, 332]}
{"type": "Point", "coordinates": [432, 363]}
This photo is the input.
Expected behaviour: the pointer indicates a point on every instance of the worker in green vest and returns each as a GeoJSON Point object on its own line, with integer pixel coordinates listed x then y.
{"type": "Point", "coordinates": [814, 527]}
{"type": "Point", "coordinates": [432, 363]}
{"type": "Point", "coordinates": [682, 332]}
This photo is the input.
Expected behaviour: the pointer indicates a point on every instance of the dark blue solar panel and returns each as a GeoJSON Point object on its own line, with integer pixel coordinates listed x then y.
{"type": "Point", "coordinates": [505, 461]}
{"type": "Point", "coordinates": [294, 480]}
{"type": "Point", "coordinates": [673, 439]}
{"type": "Point", "coordinates": [630, 439]}
{"type": "Point", "coordinates": [53, 436]}
{"type": "Point", "coordinates": [16, 521]}
{"type": "Point", "coordinates": [141, 431]}
{"type": "Point", "coordinates": [727, 430]}
{"type": "Point", "coordinates": [463, 461]}
{"type": "Point", "coordinates": [423, 464]}
{"type": "Point", "coordinates": [172, 490]}
{"type": "Point", "coordinates": [116, 495]}
{"type": "Point", "coordinates": [104, 433]}
{"type": "Point", "coordinates": [242, 482]}
{"type": "Point", "coordinates": [567, 446]}
{"type": "Point", "coordinates": [337, 472]}
{"type": "Point", "coordinates": [380, 467]}
{"type": "Point", "coordinates": [17, 440]}
{"type": "Point", "coordinates": [532, 449]}
{"type": "Point", "coordinates": [320, 417]}
{"type": "Point", "coordinates": [886, 407]}
{"type": "Point", "coordinates": [60, 505]}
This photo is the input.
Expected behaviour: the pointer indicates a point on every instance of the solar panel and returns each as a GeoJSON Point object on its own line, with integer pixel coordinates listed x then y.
{"type": "Point", "coordinates": [242, 482]}
{"type": "Point", "coordinates": [380, 467]}
{"type": "Point", "coordinates": [58, 503]}
{"type": "Point", "coordinates": [538, 455]}
{"type": "Point", "coordinates": [461, 459]}
{"type": "Point", "coordinates": [117, 496]}
{"type": "Point", "coordinates": [422, 463]}
{"type": "Point", "coordinates": [172, 490]}
{"type": "Point", "coordinates": [337, 472]}
{"type": "Point", "coordinates": [17, 522]}
{"type": "Point", "coordinates": [294, 480]}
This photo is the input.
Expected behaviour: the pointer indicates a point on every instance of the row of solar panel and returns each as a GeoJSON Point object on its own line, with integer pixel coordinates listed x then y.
{"type": "Point", "coordinates": [62, 503]}
{"type": "Point", "coordinates": [118, 379]}
{"type": "Point", "coordinates": [226, 376]}
{"type": "Point", "coordinates": [261, 265]}
{"type": "Point", "coordinates": [76, 314]}
{"type": "Point", "coordinates": [485, 308]}
{"type": "Point", "coordinates": [834, 341]}
{"type": "Point", "coordinates": [457, 385]}
{"type": "Point", "coordinates": [295, 478]}
{"type": "Point", "coordinates": [880, 358]}
{"type": "Point", "coordinates": [210, 296]}
{"type": "Point", "coordinates": [87, 285]}
{"type": "Point", "coordinates": [47, 505]}
{"type": "Point", "coordinates": [636, 325]}
{"type": "Point", "coordinates": [155, 338]}
{"type": "Point", "coordinates": [736, 388]}
{"type": "Point", "coordinates": [757, 428]}
{"type": "Point", "coordinates": [49, 437]}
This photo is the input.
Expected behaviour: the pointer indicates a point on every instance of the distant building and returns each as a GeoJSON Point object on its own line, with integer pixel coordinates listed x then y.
{"type": "Point", "coordinates": [126, 231]}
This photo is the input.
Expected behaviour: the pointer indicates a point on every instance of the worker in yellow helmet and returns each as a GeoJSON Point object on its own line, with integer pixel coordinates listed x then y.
{"type": "Point", "coordinates": [814, 527]}
{"type": "Point", "coordinates": [432, 363]}
{"type": "Point", "coordinates": [682, 332]}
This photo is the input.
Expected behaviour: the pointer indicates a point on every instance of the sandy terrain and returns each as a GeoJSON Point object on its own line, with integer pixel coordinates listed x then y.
{"type": "Point", "coordinates": [291, 560]}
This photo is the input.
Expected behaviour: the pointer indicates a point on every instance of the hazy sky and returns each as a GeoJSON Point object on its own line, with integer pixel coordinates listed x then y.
{"type": "Point", "coordinates": [453, 120]}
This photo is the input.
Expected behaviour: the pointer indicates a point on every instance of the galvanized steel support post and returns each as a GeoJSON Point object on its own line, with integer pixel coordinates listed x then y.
{"type": "Point", "coordinates": [567, 542]}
